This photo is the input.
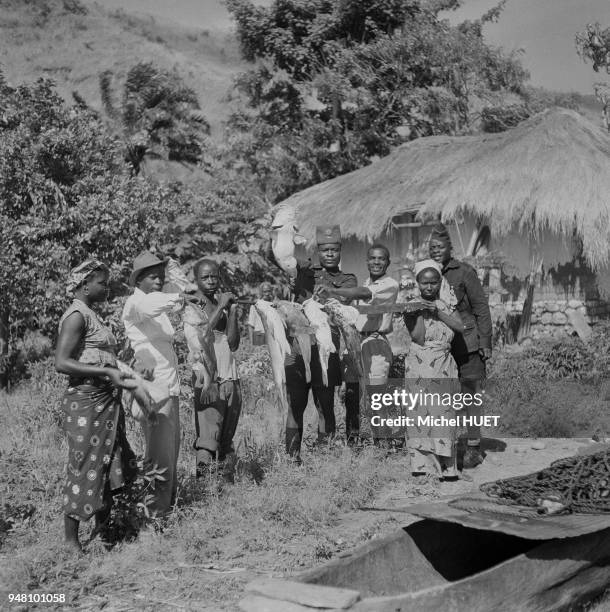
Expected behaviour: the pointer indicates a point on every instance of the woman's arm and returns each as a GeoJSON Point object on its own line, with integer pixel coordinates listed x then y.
{"type": "Point", "coordinates": [70, 334]}
{"type": "Point", "coordinates": [452, 321]}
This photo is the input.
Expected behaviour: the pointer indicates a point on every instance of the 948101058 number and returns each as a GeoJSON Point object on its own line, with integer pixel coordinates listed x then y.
{"type": "Point", "coordinates": [37, 597]}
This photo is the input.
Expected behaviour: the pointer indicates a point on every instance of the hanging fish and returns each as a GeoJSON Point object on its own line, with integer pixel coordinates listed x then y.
{"type": "Point", "coordinates": [279, 348]}
{"type": "Point", "coordinates": [176, 276]}
{"type": "Point", "coordinates": [345, 318]}
{"type": "Point", "coordinates": [204, 364]}
{"type": "Point", "coordinates": [147, 394]}
{"type": "Point", "coordinates": [284, 238]}
{"type": "Point", "coordinates": [298, 326]}
{"type": "Point", "coordinates": [319, 321]}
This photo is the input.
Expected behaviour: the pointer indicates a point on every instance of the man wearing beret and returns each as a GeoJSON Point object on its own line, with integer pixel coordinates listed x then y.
{"type": "Point", "coordinates": [472, 348]}
{"type": "Point", "coordinates": [309, 278]}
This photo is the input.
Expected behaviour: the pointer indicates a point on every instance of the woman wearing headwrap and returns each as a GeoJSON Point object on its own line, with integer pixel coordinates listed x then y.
{"type": "Point", "coordinates": [100, 460]}
{"type": "Point", "coordinates": [471, 349]}
{"type": "Point", "coordinates": [430, 368]}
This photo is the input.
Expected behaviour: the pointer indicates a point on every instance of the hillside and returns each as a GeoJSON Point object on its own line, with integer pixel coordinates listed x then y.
{"type": "Point", "coordinates": [73, 42]}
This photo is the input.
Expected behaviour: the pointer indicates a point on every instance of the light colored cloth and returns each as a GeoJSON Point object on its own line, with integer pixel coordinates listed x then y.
{"type": "Point", "coordinates": [162, 447]}
{"type": "Point", "coordinates": [432, 369]}
{"type": "Point", "coordinates": [151, 334]}
{"type": "Point", "coordinates": [97, 345]}
{"type": "Point", "coordinates": [425, 264]}
{"type": "Point", "coordinates": [384, 292]}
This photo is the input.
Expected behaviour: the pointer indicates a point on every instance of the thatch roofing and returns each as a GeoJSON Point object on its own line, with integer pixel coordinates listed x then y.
{"type": "Point", "coordinates": [552, 172]}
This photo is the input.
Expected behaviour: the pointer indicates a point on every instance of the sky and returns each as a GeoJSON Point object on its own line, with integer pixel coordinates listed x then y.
{"type": "Point", "coordinates": [544, 29]}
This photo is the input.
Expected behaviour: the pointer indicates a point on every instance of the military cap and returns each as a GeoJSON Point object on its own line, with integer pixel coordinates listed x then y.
{"type": "Point", "coordinates": [328, 234]}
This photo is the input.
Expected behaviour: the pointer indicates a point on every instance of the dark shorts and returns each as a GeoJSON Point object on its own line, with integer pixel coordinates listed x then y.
{"type": "Point", "coordinates": [470, 367]}
{"type": "Point", "coordinates": [295, 368]}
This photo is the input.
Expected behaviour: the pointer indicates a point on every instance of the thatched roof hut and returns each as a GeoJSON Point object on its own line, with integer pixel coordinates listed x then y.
{"type": "Point", "coordinates": [549, 175]}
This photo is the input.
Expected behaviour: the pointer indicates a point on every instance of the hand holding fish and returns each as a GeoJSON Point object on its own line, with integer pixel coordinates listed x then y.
{"type": "Point", "coordinates": [226, 298]}
{"type": "Point", "coordinates": [322, 294]}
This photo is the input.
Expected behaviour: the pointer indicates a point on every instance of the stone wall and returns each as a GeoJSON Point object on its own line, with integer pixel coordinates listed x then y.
{"type": "Point", "coordinates": [556, 298]}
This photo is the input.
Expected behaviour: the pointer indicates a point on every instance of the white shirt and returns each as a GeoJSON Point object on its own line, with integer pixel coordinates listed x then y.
{"type": "Point", "coordinates": [384, 293]}
{"type": "Point", "coordinates": [151, 334]}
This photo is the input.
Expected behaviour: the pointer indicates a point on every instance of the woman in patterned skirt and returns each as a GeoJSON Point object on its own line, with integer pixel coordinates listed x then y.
{"type": "Point", "coordinates": [429, 367]}
{"type": "Point", "coordinates": [100, 460]}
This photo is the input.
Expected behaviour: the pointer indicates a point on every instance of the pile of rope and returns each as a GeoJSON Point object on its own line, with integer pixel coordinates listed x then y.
{"type": "Point", "coordinates": [578, 484]}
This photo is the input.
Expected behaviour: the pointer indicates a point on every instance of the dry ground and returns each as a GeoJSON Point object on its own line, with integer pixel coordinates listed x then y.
{"type": "Point", "coordinates": [219, 536]}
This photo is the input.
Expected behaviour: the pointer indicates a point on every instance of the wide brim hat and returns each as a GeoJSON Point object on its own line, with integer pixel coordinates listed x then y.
{"type": "Point", "coordinates": [144, 261]}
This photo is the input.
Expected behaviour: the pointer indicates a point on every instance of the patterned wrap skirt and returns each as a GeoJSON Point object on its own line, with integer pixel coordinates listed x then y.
{"type": "Point", "coordinates": [100, 459]}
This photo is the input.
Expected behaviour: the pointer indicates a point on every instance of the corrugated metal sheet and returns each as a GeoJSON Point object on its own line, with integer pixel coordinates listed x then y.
{"type": "Point", "coordinates": [543, 527]}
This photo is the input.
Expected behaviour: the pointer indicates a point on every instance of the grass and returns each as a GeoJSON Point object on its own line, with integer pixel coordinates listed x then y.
{"type": "Point", "coordinates": [218, 537]}
{"type": "Point", "coordinates": [277, 518]}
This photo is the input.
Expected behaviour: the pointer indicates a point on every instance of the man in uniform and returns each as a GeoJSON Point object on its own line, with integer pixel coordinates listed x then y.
{"type": "Point", "coordinates": [378, 289]}
{"type": "Point", "coordinates": [309, 278]}
{"type": "Point", "coordinates": [472, 348]}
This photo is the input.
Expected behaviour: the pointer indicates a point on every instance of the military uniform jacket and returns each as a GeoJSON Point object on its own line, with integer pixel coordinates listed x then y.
{"type": "Point", "coordinates": [310, 276]}
{"type": "Point", "coordinates": [472, 305]}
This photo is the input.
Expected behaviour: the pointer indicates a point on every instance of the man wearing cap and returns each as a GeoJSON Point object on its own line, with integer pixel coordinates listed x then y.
{"type": "Point", "coordinates": [151, 334]}
{"type": "Point", "coordinates": [472, 348]}
{"type": "Point", "coordinates": [308, 279]}
{"type": "Point", "coordinates": [380, 290]}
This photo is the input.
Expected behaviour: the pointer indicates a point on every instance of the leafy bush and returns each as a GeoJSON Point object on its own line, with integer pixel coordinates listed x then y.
{"type": "Point", "coordinates": [552, 389]}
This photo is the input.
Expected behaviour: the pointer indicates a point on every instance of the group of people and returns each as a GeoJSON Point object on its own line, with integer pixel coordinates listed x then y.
{"type": "Point", "coordinates": [450, 341]}
{"type": "Point", "coordinates": [100, 460]}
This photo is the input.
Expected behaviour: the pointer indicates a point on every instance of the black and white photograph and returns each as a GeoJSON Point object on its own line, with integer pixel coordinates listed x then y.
{"type": "Point", "coordinates": [305, 305]}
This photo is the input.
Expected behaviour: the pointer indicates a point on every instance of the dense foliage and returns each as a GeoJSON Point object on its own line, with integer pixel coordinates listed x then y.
{"type": "Point", "coordinates": [66, 195]}
{"type": "Point", "coordinates": [340, 82]}
{"type": "Point", "coordinates": [593, 45]}
{"type": "Point", "coordinates": [159, 115]}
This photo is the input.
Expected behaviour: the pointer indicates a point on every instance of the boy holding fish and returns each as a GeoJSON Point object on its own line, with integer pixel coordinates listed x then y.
{"type": "Point", "coordinates": [306, 278]}
{"type": "Point", "coordinates": [217, 404]}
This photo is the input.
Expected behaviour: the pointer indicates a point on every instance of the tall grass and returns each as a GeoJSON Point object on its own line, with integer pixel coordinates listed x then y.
{"type": "Point", "coordinates": [276, 518]}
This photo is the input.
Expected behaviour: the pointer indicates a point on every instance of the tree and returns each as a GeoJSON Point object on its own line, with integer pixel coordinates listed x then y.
{"type": "Point", "coordinates": [159, 115]}
{"type": "Point", "coordinates": [339, 82]}
{"type": "Point", "coordinates": [593, 45]}
{"type": "Point", "coordinates": [67, 195]}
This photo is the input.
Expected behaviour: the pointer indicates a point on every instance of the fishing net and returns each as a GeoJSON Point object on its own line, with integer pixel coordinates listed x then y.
{"type": "Point", "coordinates": [578, 484]}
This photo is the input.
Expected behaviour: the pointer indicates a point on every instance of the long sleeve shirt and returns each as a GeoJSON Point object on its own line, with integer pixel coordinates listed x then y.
{"type": "Point", "coordinates": [384, 293]}
{"type": "Point", "coordinates": [472, 306]}
{"type": "Point", "coordinates": [151, 334]}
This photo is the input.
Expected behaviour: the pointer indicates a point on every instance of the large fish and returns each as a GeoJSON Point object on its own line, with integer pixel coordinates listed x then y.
{"type": "Point", "coordinates": [319, 321]}
{"type": "Point", "coordinates": [298, 326]}
{"type": "Point", "coordinates": [345, 318]}
{"type": "Point", "coordinates": [284, 237]}
{"type": "Point", "coordinates": [175, 276]}
{"type": "Point", "coordinates": [204, 364]}
{"type": "Point", "coordinates": [147, 394]}
{"type": "Point", "coordinates": [279, 348]}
